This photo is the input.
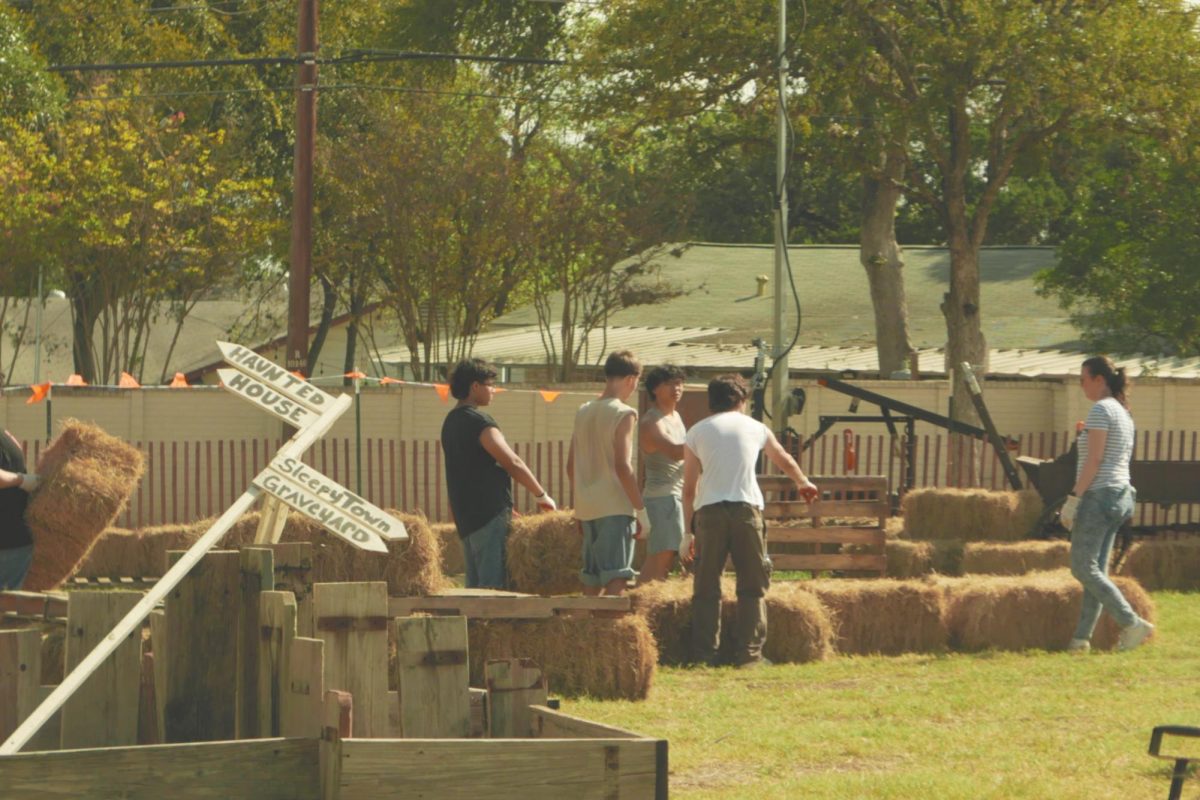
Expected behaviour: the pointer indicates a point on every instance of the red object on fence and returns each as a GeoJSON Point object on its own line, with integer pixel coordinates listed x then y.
{"type": "Point", "coordinates": [851, 454]}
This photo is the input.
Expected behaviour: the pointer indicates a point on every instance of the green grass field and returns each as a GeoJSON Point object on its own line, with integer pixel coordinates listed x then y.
{"type": "Point", "coordinates": [992, 725]}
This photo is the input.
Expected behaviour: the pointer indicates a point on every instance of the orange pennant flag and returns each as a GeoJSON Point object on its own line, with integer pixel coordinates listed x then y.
{"type": "Point", "coordinates": [386, 379]}
{"type": "Point", "coordinates": [128, 382]}
{"type": "Point", "coordinates": [39, 393]}
{"type": "Point", "coordinates": [354, 374]}
{"type": "Point", "coordinates": [179, 381]}
{"type": "Point", "coordinates": [299, 374]}
{"type": "Point", "coordinates": [548, 395]}
{"type": "Point", "coordinates": [76, 380]}
{"type": "Point", "coordinates": [500, 389]}
{"type": "Point", "coordinates": [443, 390]}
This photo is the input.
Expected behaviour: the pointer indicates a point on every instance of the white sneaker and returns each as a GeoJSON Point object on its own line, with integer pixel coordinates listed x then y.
{"type": "Point", "coordinates": [1079, 646]}
{"type": "Point", "coordinates": [1134, 635]}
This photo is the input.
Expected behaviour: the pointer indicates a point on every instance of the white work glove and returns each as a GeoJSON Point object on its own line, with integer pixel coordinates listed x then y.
{"type": "Point", "coordinates": [29, 481]}
{"type": "Point", "coordinates": [545, 502]}
{"type": "Point", "coordinates": [643, 521]}
{"type": "Point", "coordinates": [1066, 514]}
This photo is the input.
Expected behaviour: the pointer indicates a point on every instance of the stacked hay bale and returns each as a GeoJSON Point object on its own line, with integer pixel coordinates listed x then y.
{"type": "Point", "coordinates": [451, 543]}
{"type": "Point", "coordinates": [544, 553]}
{"type": "Point", "coordinates": [1165, 565]}
{"type": "Point", "coordinates": [909, 559]}
{"type": "Point", "coordinates": [140, 553]}
{"type": "Point", "coordinates": [970, 514]}
{"type": "Point", "coordinates": [606, 658]}
{"type": "Point", "coordinates": [1036, 611]}
{"type": "Point", "coordinates": [86, 478]}
{"type": "Point", "coordinates": [885, 617]}
{"type": "Point", "coordinates": [1014, 558]}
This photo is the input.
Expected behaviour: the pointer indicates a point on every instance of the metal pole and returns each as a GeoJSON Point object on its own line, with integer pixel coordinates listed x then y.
{"type": "Point", "coordinates": [358, 437]}
{"type": "Point", "coordinates": [37, 331]}
{"type": "Point", "coordinates": [302, 187]}
{"type": "Point", "coordinates": [779, 372]}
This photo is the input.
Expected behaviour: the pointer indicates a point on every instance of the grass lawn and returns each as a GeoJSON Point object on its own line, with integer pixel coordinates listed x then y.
{"type": "Point", "coordinates": [991, 725]}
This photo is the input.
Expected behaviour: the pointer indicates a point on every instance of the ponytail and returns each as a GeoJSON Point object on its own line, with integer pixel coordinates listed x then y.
{"type": "Point", "coordinates": [1114, 377]}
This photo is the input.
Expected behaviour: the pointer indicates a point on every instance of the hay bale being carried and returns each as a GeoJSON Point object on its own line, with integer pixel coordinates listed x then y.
{"type": "Point", "coordinates": [545, 553]}
{"type": "Point", "coordinates": [1035, 611]}
{"type": "Point", "coordinates": [86, 478]}
{"type": "Point", "coordinates": [1165, 565]}
{"type": "Point", "coordinates": [452, 547]}
{"type": "Point", "coordinates": [885, 617]}
{"type": "Point", "coordinates": [605, 658]}
{"type": "Point", "coordinates": [1014, 558]}
{"type": "Point", "coordinates": [970, 514]}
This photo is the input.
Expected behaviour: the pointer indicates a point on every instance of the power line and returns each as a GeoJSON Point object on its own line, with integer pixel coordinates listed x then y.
{"type": "Point", "coordinates": [261, 61]}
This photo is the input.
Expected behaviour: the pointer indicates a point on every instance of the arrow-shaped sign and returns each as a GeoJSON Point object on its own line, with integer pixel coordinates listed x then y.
{"type": "Point", "coordinates": [286, 407]}
{"type": "Point", "coordinates": [296, 389]}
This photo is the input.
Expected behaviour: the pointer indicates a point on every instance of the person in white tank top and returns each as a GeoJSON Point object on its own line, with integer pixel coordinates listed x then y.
{"type": "Point", "coordinates": [608, 503]}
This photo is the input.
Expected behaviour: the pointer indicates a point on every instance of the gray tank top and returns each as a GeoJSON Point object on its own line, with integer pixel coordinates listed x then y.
{"type": "Point", "coordinates": [664, 475]}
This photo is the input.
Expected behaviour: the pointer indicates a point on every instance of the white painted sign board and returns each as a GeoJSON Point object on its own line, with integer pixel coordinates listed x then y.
{"type": "Point", "coordinates": [267, 398]}
{"type": "Point", "coordinates": [275, 376]}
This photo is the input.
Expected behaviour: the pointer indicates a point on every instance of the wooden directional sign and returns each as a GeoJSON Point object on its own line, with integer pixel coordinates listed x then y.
{"type": "Point", "coordinates": [296, 389]}
{"type": "Point", "coordinates": [268, 398]}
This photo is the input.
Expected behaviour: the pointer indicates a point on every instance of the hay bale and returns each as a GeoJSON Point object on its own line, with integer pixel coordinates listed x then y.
{"type": "Point", "coordinates": [135, 554]}
{"type": "Point", "coordinates": [605, 658]}
{"type": "Point", "coordinates": [1165, 565]}
{"type": "Point", "coordinates": [908, 559]}
{"type": "Point", "coordinates": [1014, 558]}
{"type": "Point", "coordinates": [545, 553]}
{"type": "Point", "coordinates": [970, 514]}
{"type": "Point", "coordinates": [798, 628]}
{"type": "Point", "coordinates": [86, 478]}
{"type": "Point", "coordinates": [883, 616]}
{"type": "Point", "coordinates": [451, 544]}
{"type": "Point", "coordinates": [1035, 611]}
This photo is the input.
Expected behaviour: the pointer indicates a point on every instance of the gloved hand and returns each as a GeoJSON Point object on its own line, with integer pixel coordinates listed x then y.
{"type": "Point", "coordinates": [29, 481]}
{"type": "Point", "coordinates": [643, 523]}
{"type": "Point", "coordinates": [1066, 514]}
{"type": "Point", "coordinates": [545, 502]}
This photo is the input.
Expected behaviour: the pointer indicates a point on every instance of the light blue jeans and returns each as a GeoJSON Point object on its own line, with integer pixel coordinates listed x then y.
{"type": "Point", "coordinates": [485, 552]}
{"type": "Point", "coordinates": [666, 523]}
{"type": "Point", "coordinates": [607, 549]}
{"type": "Point", "coordinates": [1100, 515]}
{"type": "Point", "coordinates": [14, 564]}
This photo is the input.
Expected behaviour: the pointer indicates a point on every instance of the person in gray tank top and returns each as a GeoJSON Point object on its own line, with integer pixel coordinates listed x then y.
{"type": "Point", "coordinates": [660, 438]}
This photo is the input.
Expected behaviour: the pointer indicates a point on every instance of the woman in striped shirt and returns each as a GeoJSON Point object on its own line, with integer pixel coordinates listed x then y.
{"type": "Point", "coordinates": [1101, 502]}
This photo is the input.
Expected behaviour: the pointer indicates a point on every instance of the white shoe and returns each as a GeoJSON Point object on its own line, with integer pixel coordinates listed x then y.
{"type": "Point", "coordinates": [1134, 635]}
{"type": "Point", "coordinates": [1079, 646]}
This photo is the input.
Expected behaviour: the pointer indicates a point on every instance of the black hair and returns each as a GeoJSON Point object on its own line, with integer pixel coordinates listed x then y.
{"type": "Point", "coordinates": [725, 392]}
{"type": "Point", "coordinates": [467, 372]}
{"type": "Point", "coordinates": [1113, 375]}
{"type": "Point", "coordinates": [621, 364]}
{"type": "Point", "coordinates": [660, 375]}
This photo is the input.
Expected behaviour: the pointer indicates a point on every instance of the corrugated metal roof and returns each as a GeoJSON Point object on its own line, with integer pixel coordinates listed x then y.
{"type": "Point", "coordinates": [693, 347]}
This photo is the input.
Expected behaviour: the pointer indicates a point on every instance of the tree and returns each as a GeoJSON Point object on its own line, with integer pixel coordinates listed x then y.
{"type": "Point", "coordinates": [1127, 268]}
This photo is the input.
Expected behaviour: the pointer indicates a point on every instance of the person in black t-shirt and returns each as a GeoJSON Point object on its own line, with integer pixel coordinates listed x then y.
{"type": "Point", "coordinates": [480, 468]}
{"type": "Point", "coordinates": [16, 540]}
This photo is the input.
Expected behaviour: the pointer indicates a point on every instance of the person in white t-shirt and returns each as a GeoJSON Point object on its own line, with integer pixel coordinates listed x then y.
{"type": "Point", "coordinates": [722, 505]}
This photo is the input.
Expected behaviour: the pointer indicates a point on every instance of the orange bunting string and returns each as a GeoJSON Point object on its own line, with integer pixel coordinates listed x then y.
{"type": "Point", "coordinates": [385, 380]}
{"type": "Point", "coordinates": [549, 396]}
{"type": "Point", "coordinates": [179, 381]}
{"type": "Point", "coordinates": [356, 374]}
{"type": "Point", "coordinates": [128, 382]}
{"type": "Point", "coordinates": [76, 380]}
{"type": "Point", "coordinates": [299, 374]}
{"type": "Point", "coordinates": [443, 390]}
{"type": "Point", "coordinates": [40, 391]}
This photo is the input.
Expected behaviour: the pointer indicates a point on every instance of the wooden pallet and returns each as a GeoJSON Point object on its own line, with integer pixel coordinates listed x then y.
{"type": "Point", "coordinates": [492, 604]}
{"type": "Point", "coordinates": [863, 497]}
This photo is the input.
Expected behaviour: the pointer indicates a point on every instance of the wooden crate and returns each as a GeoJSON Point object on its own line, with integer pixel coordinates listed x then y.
{"type": "Point", "coordinates": [820, 547]}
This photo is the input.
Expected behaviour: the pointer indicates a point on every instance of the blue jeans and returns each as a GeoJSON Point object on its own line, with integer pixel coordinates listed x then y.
{"type": "Point", "coordinates": [1100, 515]}
{"type": "Point", "coordinates": [607, 549]}
{"type": "Point", "coordinates": [14, 564]}
{"type": "Point", "coordinates": [485, 551]}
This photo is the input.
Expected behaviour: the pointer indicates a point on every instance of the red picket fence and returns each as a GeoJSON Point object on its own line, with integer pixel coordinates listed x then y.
{"type": "Point", "coordinates": [187, 481]}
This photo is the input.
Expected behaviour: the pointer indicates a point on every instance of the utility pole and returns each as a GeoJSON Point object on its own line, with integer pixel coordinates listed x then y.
{"type": "Point", "coordinates": [779, 368]}
{"type": "Point", "coordinates": [300, 274]}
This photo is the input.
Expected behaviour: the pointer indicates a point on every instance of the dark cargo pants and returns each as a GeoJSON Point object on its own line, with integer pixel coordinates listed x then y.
{"type": "Point", "coordinates": [736, 530]}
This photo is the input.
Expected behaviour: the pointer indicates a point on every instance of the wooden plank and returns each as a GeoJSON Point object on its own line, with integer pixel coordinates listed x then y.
{"type": "Point", "coordinates": [833, 561]}
{"type": "Point", "coordinates": [202, 651]}
{"type": "Point", "coordinates": [104, 711]}
{"type": "Point", "coordinates": [550, 724]}
{"type": "Point", "coordinates": [272, 519]}
{"type": "Point", "coordinates": [836, 535]}
{"type": "Point", "coordinates": [148, 730]}
{"type": "Point", "coordinates": [513, 685]}
{"type": "Point", "coordinates": [479, 713]}
{"type": "Point", "coordinates": [798, 509]}
{"type": "Point", "coordinates": [266, 769]}
{"type": "Point", "coordinates": [433, 676]}
{"type": "Point", "coordinates": [837, 484]}
{"type": "Point", "coordinates": [49, 738]}
{"type": "Point", "coordinates": [34, 604]}
{"type": "Point", "coordinates": [302, 697]}
{"type": "Point", "coordinates": [336, 724]}
{"type": "Point", "coordinates": [351, 618]}
{"type": "Point", "coordinates": [158, 645]}
{"type": "Point", "coordinates": [505, 607]}
{"type": "Point", "coordinates": [20, 675]}
{"type": "Point", "coordinates": [256, 567]}
{"type": "Point", "coordinates": [277, 629]}
{"type": "Point", "coordinates": [530, 769]}
{"type": "Point", "coordinates": [293, 573]}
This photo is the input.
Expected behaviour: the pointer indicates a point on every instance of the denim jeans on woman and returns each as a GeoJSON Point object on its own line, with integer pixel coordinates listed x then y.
{"type": "Point", "coordinates": [1100, 515]}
